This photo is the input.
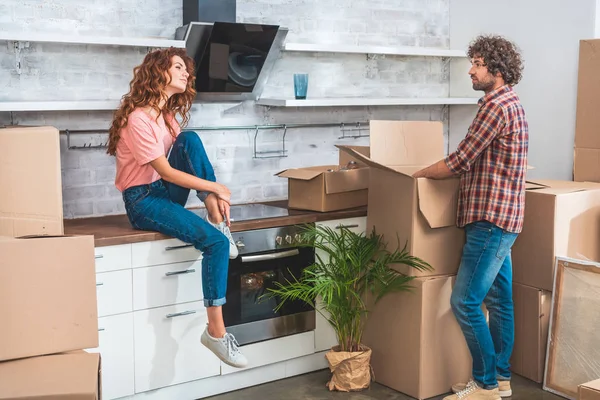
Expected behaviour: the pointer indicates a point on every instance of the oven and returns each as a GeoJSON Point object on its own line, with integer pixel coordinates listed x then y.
{"type": "Point", "coordinates": [266, 256]}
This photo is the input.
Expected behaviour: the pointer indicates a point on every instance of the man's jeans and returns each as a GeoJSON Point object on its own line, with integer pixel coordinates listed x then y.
{"type": "Point", "coordinates": [159, 207]}
{"type": "Point", "coordinates": [485, 275]}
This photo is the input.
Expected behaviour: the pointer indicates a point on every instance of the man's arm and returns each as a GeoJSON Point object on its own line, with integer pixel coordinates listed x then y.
{"type": "Point", "coordinates": [488, 123]}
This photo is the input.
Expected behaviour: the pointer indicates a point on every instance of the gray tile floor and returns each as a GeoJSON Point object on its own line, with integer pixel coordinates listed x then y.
{"type": "Point", "coordinates": [312, 387]}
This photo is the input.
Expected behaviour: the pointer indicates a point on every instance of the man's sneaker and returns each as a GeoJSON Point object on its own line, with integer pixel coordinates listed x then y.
{"type": "Point", "coordinates": [224, 229]}
{"type": "Point", "coordinates": [226, 348]}
{"type": "Point", "coordinates": [504, 389]}
{"type": "Point", "coordinates": [473, 392]}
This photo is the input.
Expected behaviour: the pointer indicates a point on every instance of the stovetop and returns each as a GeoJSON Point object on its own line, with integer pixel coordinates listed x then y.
{"type": "Point", "coordinates": [246, 212]}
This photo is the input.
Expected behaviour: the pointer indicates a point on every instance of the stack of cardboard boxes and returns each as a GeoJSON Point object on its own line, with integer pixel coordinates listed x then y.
{"type": "Point", "coordinates": [47, 280]}
{"type": "Point", "coordinates": [418, 347]}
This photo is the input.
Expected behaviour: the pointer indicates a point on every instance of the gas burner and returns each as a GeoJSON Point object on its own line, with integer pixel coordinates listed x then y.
{"type": "Point", "coordinates": [246, 212]}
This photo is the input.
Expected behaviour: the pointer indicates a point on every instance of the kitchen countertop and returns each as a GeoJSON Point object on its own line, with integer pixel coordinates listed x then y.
{"type": "Point", "coordinates": [115, 229]}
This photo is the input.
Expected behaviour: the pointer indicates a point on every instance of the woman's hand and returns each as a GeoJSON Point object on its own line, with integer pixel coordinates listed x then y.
{"type": "Point", "coordinates": [222, 192]}
{"type": "Point", "coordinates": [224, 209]}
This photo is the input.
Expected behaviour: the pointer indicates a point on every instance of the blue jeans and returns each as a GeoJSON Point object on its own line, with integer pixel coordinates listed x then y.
{"type": "Point", "coordinates": [485, 276]}
{"type": "Point", "coordinates": [159, 207]}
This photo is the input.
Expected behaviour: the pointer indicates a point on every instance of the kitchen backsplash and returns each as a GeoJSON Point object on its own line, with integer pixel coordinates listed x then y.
{"type": "Point", "coordinates": [103, 72]}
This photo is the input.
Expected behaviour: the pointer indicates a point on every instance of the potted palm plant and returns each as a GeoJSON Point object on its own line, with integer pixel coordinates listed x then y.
{"type": "Point", "coordinates": [351, 272]}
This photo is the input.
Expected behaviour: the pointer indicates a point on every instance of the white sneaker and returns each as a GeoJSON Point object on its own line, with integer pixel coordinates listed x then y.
{"type": "Point", "coordinates": [226, 348]}
{"type": "Point", "coordinates": [224, 229]}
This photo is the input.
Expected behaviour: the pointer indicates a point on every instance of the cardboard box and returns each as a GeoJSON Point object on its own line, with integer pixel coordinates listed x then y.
{"type": "Point", "coordinates": [589, 391]}
{"type": "Point", "coordinates": [47, 296]}
{"type": "Point", "coordinates": [587, 127]}
{"type": "Point", "coordinates": [532, 319]}
{"type": "Point", "coordinates": [30, 178]}
{"type": "Point", "coordinates": [326, 187]}
{"type": "Point", "coordinates": [418, 212]}
{"type": "Point", "coordinates": [562, 218]}
{"type": "Point", "coordinates": [73, 376]}
{"type": "Point", "coordinates": [417, 346]}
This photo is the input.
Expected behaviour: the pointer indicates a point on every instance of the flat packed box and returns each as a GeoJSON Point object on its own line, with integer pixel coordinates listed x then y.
{"type": "Point", "coordinates": [561, 219]}
{"type": "Point", "coordinates": [328, 187]}
{"type": "Point", "coordinates": [589, 391]}
{"type": "Point", "coordinates": [47, 295]}
{"type": "Point", "coordinates": [417, 345]}
{"type": "Point", "coordinates": [586, 166]}
{"type": "Point", "coordinates": [30, 178]}
{"type": "Point", "coordinates": [420, 213]}
{"type": "Point", "coordinates": [72, 376]}
{"type": "Point", "coordinates": [532, 319]}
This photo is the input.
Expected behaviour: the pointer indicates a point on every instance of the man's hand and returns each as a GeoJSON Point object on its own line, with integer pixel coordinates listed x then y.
{"type": "Point", "coordinates": [224, 209]}
{"type": "Point", "coordinates": [422, 173]}
{"type": "Point", "coordinates": [439, 170]}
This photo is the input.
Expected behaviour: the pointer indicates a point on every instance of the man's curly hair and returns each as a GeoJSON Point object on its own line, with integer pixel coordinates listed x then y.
{"type": "Point", "coordinates": [500, 55]}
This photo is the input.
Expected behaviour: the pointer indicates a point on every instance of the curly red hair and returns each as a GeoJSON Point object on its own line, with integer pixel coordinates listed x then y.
{"type": "Point", "coordinates": [147, 89]}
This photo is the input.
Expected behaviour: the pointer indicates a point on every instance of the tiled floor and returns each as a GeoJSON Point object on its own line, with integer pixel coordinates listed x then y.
{"type": "Point", "coordinates": [312, 387]}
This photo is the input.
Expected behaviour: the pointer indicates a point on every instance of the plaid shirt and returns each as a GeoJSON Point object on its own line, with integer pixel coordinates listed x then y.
{"type": "Point", "coordinates": [492, 161]}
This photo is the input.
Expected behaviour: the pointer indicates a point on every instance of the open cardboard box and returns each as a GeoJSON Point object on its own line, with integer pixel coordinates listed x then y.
{"type": "Point", "coordinates": [420, 213]}
{"type": "Point", "coordinates": [326, 187]}
{"type": "Point", "coordinates": [73, 376]}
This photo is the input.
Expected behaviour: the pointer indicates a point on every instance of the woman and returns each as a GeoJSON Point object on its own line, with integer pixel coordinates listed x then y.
{"type": "Point", "coordinates": [155, 189]}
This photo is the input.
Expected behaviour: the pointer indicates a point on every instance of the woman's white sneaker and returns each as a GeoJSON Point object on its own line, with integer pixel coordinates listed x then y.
{"type": "Point", "coordinates": [224, 229]}
{"type": "Point", "coordinates": [226, 348]}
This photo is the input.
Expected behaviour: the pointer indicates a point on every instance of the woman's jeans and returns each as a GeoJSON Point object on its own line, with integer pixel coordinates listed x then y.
{"type": "Point", "coordinates": [485, 275]}
{"type": "Point", "coordinates": [159, 206]}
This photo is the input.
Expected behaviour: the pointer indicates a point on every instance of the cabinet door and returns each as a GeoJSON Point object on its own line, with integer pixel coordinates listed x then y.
{"type": "Point", "coordinates": [113, 258]}
{"type": "Point", "coordinates": [168, 349]}
{"type": "Point", "coordinates": [116, 349]}
{"type": "Point", "coordinates": [113, 291]}
{"type": "Point", "coordinates": [325, 337]}
{"type": "Point", "coordinates": [165, 285]}
{"type": "Point", "coordinates": [157, 252]}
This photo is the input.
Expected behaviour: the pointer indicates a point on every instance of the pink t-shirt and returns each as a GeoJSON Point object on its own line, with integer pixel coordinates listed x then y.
{"type": "Point", "coordinates": [143, 140]}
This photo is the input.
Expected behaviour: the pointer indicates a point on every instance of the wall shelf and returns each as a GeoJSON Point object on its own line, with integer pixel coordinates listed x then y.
{"type": "Point", "coordinates": [399, 51]}
{"type": "Point", "coordinates": [359, 101]}
{"type": "Point", "coordinates": [59, 105]}
{"type": "Point", "coordinates": [97, 40]}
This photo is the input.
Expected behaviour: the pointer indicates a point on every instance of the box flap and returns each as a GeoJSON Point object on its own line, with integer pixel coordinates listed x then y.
{"type": "Point", "coordinates": [74, 376]}
{"type": "Point", "coordinates": [407, 170]}
{"type": "Point", "coordinates": [593, 385]}
{"type": "Point", "coordinates": [438, 201]}
{"type": "Point", "coordinates": [305, 174]}
{"type": "Point", "coordinates": [346, 181]}
{"type": "Point", "coordinates": [557, 187]}
{"type": "Point", "coordinates": [345, 157]}
{"type": "Point", "coordinates": [406, 142]}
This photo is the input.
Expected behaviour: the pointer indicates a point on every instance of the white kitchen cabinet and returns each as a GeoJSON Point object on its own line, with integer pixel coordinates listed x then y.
{"type": "Point", "coordinates": [168, 349]}
{"type": "Point", "coordinates": [325, 337]}
{"type": "Point", "coordinates": [275, 350]}
{"type": "Point", "coordinates": [113, 258]}
{"type": "Point", "coordinates": [116, 351]}
{"type": "Point", "coordinates": [113, 291]}
{"type": "Point", "coordinates": [157, 252]}
{"type": "Point", "coordinates": [164, 285]}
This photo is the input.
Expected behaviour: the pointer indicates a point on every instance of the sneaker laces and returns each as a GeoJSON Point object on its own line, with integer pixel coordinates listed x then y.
{"type": "Point", "coordinates": [232, 345]}
{"type": "Point", "coordinates": [470, 388]}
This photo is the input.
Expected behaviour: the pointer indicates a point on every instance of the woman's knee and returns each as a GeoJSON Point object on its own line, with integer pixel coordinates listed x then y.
{"type": "Point", "coordinates": [190, 137]}
{"type": "Point", "coordinates": [457, 304]}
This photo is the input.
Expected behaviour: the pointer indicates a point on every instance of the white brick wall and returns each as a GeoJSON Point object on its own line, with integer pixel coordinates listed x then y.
{"type": "Point", "coordinates": [68, 72]}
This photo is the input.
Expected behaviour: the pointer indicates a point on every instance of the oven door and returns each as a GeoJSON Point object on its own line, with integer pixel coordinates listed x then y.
{"type": "Point", "coordinates": [252, 319]}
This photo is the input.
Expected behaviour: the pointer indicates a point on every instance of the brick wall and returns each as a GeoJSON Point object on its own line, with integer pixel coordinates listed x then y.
{"type": "Point", "coordinates": [70, 72]}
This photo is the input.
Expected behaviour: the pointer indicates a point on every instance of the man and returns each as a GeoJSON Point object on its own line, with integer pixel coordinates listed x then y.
{"type": "Point", "coordinates": [492, 162]}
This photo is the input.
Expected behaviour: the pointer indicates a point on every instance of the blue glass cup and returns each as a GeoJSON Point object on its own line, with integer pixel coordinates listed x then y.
{"type": "Point", "coordinates": [300, 86]}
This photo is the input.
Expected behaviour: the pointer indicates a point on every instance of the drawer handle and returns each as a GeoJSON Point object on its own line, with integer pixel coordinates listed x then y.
{"type": "Point", "coordinates": [185, 271]}
{"type": "Point", "coordinates": [347, 226]}
{"type": "Point", "coordinates": [183, 246]}
{"type": "Point", "coordinates": [100, 329]}
{"type": "Point", "coordinates": [99, 284]}
{"type": "Point", "coordinates": [179, 314]}
{"type": "Point", "coordinates": [99, 256]}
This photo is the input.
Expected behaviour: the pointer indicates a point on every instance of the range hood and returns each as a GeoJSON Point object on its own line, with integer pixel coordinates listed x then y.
{"type": "Point", "coordinates": [233, 59]}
